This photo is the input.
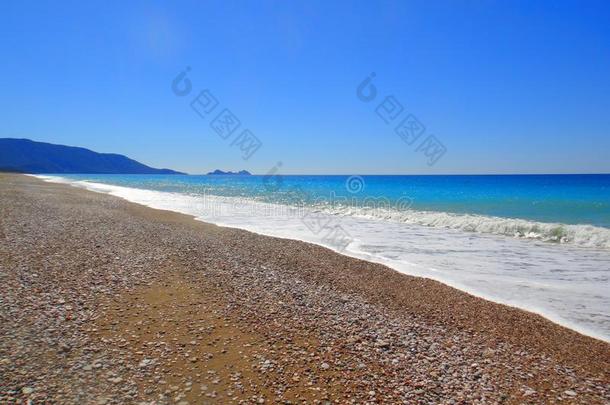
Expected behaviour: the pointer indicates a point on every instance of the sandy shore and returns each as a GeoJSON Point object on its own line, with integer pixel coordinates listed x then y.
{"type": "Point", "coordinates": [104, 301]}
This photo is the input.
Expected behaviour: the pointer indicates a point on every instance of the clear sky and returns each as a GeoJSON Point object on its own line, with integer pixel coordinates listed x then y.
{"type": "Point", "coordinates": [506, 86]}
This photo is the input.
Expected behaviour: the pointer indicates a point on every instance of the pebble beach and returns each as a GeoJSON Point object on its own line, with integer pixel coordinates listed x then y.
{"type": "Point", "coordinates": [108, 302]}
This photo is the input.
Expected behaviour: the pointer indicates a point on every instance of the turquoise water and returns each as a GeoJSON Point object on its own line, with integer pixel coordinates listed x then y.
{"type": "Point", "coordinates": [567, 199]}
{"type": "Point", "coordinates": [541, 243]}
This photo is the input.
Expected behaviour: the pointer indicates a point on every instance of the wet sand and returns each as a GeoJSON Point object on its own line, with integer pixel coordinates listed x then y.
{"type": "Point", "coordinates": [105, 301]}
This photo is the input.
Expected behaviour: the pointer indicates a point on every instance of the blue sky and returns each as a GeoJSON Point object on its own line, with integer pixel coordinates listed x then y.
{"type": "Point", "coordinates": [505, 86]}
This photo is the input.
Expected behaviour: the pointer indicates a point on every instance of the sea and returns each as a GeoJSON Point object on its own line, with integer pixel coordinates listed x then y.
{"type": "Point", "coordinates": [537, 242]}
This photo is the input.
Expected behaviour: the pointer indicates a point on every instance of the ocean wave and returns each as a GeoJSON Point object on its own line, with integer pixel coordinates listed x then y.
{"type": "Point", "coordinates": [483, 265]}
{"type": "Point", "coordinates": [581, 235]}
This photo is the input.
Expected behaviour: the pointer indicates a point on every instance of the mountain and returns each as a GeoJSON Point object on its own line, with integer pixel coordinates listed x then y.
{"type": "Point", "coordinates": [239, 173]}
{"type": "Point", "coordinates": [26, 156]}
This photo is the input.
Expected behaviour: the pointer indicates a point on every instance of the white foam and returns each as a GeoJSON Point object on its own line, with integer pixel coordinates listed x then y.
{"type": "Point", "coordinates": [581, 235]}
{"type": "Point", "coordinates": [567, 284]}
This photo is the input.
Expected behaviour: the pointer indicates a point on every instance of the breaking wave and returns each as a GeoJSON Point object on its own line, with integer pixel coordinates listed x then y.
{"type": "Point", "coordinates": [581, 235]}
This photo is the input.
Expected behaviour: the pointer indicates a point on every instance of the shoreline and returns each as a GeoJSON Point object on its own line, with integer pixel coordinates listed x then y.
{"type": "Point", "coordinates": [429, 341]}
{"type": "Point", "coordinates": [555, 318]}
{"type": "Point", "coordinates": [516, 231]}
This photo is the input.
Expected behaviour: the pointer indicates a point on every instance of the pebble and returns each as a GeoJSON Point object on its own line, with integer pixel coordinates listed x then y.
{"type": "Point", "coordinates": [307, 308]}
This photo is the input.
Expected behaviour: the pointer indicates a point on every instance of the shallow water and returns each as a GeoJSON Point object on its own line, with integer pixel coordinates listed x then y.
{"type": "Point", "coordinates": [541, 244]}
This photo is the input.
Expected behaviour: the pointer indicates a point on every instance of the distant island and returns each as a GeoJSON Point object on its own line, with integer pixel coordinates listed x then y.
{"type": "Point", "coordinates": [239, 173]}
{"type": "Point", "coordinates": [27, 156]}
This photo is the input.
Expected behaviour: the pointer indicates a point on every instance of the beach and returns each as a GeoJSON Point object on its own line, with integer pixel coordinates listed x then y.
{"type": "Point", "coordinates": [105, 301]}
